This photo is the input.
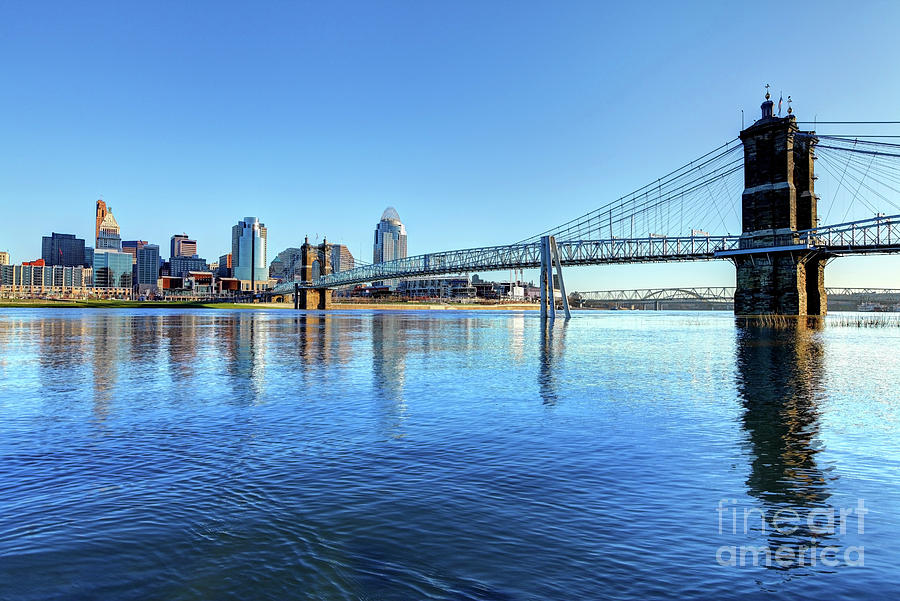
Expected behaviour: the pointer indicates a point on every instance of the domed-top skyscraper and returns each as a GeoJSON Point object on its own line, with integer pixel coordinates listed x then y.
{"type": "Point", "coordinates": [390, 237]}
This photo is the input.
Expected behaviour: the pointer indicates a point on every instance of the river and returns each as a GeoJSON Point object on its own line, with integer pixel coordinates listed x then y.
{"type": "Point", "coordinates": [165, 454]}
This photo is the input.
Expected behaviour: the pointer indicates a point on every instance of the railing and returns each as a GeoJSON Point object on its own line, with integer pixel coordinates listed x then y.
{"type": "Point", "coordinates": [878, 234]}
{"type": "Point", "coordinates": [528, 255]}
{"type": "Point", "coordinates": [875, 235]}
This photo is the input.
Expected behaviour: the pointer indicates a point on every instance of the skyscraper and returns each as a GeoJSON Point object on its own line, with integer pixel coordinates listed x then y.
{"type": "Point", "coordinates": [100, 214]}
{"type": "Point", "coordinates": [62, 249]}
{"type": "Point", "coordinates": [4, 258]}
{"type": "Point", "coordinates": [248, 253]}
{"type": "Point", "coordinates": [341, 258]}
{"type": "Point", "coordinates": [108, 234]}
{"type": "Point", "coordinates": [182, 246]}
{"type": "Point", "coordinates": [390, 237]}
{"type": "Point", "coordinates": [286, 265]}
{"type": "Point", "coordinates": [132, 247]}
{"type": "Point", "coordinates": [225, 266]}
{"type": "Point", "coordinates": [112, 269]}
{"type": "Point", "coordinates": [148, 265]}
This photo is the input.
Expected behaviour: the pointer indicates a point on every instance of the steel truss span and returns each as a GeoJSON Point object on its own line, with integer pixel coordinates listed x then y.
{"type": "Point", "coordinates": [868, 236]}
{"type": "Point", "coordinates": [528, 255]}
{"type": "Point", "coordinates": [716, 294]}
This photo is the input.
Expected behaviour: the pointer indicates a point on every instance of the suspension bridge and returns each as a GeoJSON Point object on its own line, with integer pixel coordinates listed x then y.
{"type": "Point", "coordinates": [780, 251]}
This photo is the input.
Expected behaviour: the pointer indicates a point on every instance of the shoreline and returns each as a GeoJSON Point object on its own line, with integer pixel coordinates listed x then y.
{"type": "Point", "coordinates": [124, 304]}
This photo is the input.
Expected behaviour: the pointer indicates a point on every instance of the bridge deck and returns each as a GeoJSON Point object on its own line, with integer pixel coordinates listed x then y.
{"type": "Point", "coordinates": [869, 236]}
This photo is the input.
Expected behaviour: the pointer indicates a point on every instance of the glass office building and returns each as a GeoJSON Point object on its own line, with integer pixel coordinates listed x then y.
{"type": "Point", "coordinates": [112, 269]}
{"type": "Point", "coordinates": [390, 237]}
{"type": "Point", "coordinates": [248, 252]}
{"type": "Point", "coordinates": [390, 241]}
{"type": "Point", "coordinates": [62, 249]}
{"type": "Point", "coordinates": [131, 247]}
{"type": "Point", "coordinates": [148, 265]}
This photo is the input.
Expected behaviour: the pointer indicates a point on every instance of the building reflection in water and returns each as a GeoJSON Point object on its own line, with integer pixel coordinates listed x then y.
{"type": "Point", "coordinates": [107, 333]}
{"type": "Point", "coordinates": [390, 339]}
{"type": "Point", "coordinates": [779, 382]}
{"type": "Point", "coordinates": [516, 325]}
{"type": "Point", "coordinates": [242, 339]}
{"type": "Point", "coordinates": [553, 343]}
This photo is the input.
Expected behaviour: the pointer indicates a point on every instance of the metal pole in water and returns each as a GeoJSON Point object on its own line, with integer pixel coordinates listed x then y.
{"type": "Point", "coordinates": [543, 278]}
{"type": "Point", "coordinates": [551, 288]}
{"type": "Point", "coordinates": [554, 256]}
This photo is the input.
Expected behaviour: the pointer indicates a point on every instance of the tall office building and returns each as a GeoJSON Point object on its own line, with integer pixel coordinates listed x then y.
{"type": "Point", "coordinates": [100, 210]}
{"type": "Point", "coordinates": [147, 265]}
{"type": "Point", "coordinates": [286, 265]}
{"type": "Point", "coordinates": [88, 256]}
{"type": "Point", "coordinates": [248, 253]}
{"type": "Point", "coordinates": [4, 258]}
{"type": "Point", "coordinates": [132, 247]}
{"type": "Point", "coordinates": [62, 249]}
{"type": "Point", "coordinates": [341, 259]}
{"type": "Point", "coordinates": [112, 269]}
{"type": "Point", "coordinates": [390, 237]}
{"type": "Point", "coordinates": [224, 266]}
{"type": "Point", "coordinates": [108, 235]}
{"type": "Point", "coordinates": [182, 246]}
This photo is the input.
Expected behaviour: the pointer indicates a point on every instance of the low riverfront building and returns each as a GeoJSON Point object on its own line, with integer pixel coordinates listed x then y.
{"type": "Point", "coordinates": [35, 281]}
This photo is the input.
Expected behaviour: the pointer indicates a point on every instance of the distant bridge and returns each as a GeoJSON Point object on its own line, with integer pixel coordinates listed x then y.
{"type": "Point", "coordinates": [717, 296]}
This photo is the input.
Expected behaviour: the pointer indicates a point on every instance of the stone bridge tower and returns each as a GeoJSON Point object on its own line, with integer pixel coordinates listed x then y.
{"type": "Point", "coordinates": [315, 260]}
{"type": "Point", "coordinates": [775, 273]}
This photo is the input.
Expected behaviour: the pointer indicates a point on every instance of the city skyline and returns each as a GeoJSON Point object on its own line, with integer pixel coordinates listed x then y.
{"type": "Point", "coordinates": [332, 133]}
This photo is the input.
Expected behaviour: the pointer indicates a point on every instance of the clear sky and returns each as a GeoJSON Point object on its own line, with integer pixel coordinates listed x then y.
{"type": "Point", "coordinates": [481, 122]}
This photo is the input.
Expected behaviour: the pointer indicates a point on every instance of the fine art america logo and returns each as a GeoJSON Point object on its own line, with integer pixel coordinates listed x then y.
{"type": "Point", "coordinates": [797, 537]}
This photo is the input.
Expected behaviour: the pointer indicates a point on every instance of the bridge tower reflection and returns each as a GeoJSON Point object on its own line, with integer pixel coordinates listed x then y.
{"type": "Point", "coordinates": [779, 383]}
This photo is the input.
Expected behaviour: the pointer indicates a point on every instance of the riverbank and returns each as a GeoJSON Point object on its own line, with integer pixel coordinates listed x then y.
{"type": "Point", "coordinates": [131, 304]}
{"type": "Point", "coordinates": [116, 304]}
{"type": "Point", "coordinates": [434, 306]}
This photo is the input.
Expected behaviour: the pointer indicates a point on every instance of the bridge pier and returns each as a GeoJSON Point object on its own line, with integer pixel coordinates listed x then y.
{"type": "Point", "coordinates": [313, 299]}
{"type": "Point", "coordinates": [315, 261]}
{"type": "Point", "coordinates": [549, 258]}
{"type": "Point", "coordinates": [776, 272]}
{"type": "Point", "coordinates": [781, 283]}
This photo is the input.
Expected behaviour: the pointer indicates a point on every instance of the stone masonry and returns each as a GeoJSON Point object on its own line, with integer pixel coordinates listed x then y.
{"type": "Point", "coordinates": [778, 200]}
{"type": "Point", "coordinates": [315, 261]}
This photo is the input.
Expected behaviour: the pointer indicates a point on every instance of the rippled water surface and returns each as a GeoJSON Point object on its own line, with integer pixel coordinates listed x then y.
{"type": "Point", "coordinates": [153, 454]}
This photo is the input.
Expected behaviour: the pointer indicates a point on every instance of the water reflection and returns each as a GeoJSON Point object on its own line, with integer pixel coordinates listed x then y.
{"type": "Point", "coordinates": [241, 339]}
{"type": "Point", "coordinates": [779, 382]}
{"type": "Point", "coordinates": [105, 335]}
{"type": "Point", "coordinates": [553, 342]}
{"type": "Point", "coordinates": [403, 455]}
{"type": "Point", "coordinates": [390, 337]}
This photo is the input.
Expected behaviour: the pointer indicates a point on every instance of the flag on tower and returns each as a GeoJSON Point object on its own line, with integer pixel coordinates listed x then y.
{"type": "Point", "coordinates": [780, 95]}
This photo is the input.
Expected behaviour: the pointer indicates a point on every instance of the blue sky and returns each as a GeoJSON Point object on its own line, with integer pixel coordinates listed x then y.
{"type": "Point", "coordinates": [481, 122]}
